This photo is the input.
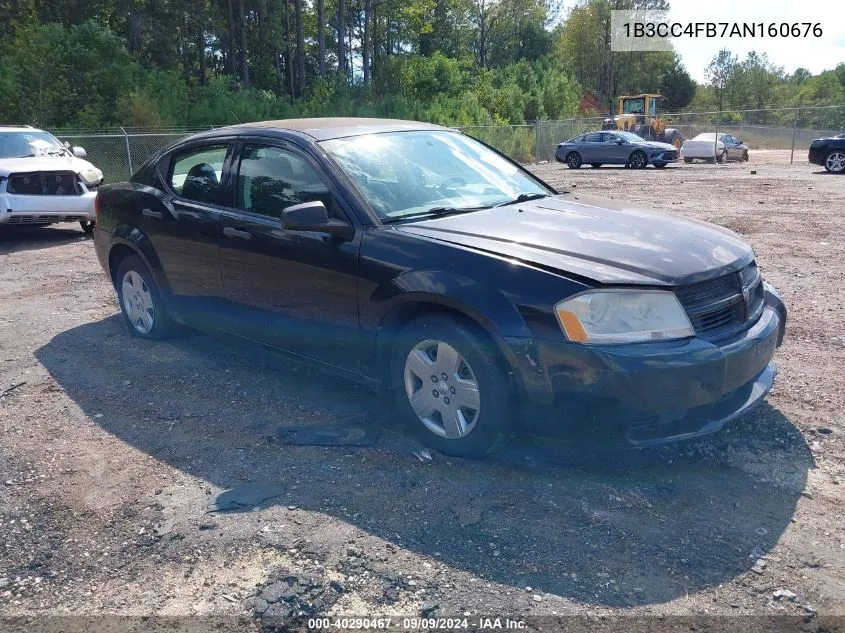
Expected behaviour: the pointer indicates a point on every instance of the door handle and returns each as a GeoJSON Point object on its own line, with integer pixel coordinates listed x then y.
{"type": "Point", "coordinates": [228, 231]}
{"type": "Point", "coordinates": [151, 214]}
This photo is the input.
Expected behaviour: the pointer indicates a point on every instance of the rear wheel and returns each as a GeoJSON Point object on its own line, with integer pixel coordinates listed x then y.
{"type": "Point", "coordinates": [834, 162]}
{"type": "Point", "coordinates": [595, 165]}
{"type": "Point", "coordinates": [638, 160]}
{"type": "Point", "coordinates": [140, 301]}
{"type": "Point", "coordinates": [87, 226]}
{"type": "Point", "coordinates": [573, 160]}
{"type": "Point", "coordinates": [450, 385]}
{"type": "Point", "coordinates": [722, 158]}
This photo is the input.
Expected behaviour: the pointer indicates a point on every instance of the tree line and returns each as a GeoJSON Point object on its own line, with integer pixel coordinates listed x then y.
{"type": "Point", "coordinates": [145, 63]}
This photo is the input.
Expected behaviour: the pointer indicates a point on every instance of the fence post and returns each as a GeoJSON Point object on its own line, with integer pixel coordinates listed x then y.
{"type": "Point", "coordinates": [716, 139]}
{"type": "Point", "coordinates": [794, 129]}
{"type": "Point", "coordinates": [128, 151]}
{"type": "Point", "coordinates": [537, 140]}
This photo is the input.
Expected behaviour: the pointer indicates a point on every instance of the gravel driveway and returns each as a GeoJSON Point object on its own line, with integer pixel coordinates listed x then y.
{"type": "Point", "coordinates": [111, 449]}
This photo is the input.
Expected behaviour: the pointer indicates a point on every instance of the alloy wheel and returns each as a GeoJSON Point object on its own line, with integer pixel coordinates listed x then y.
{"type": "Point", "coordinates": [138, 302]}
{"type": "Point", "coordinates": [835, 162]}
{"type": "Point", "coordinates": [442, 389]}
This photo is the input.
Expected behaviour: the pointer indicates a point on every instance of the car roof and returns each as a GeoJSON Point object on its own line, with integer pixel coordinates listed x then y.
{"type": "Point", "coordinates": [19, 128]}
{"type": "Point", "coordinates": [323, 129]}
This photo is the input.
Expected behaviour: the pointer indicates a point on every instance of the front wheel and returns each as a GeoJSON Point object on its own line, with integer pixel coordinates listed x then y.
{"type": "Point", "coordinates": [573, 160]}
{"type": "Point", "coordinates": [745, 157]}
{"type": "Point", "coordinates": [450, 385]}
{"type": "Point", "coordinates": [835, 162]}
{"type": "Point", "coordinates": [87, 226]}
{"type": "Point", "coordinates": [140, 301]}
{"type": "Point", "coordinates": [638, 160]}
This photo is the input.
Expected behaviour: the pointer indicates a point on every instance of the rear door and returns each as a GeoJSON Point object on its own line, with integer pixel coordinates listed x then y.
{"type": "Point", "coordinates": [591, 148]}
{"type": "Point", "coordinates": [184, 229]}
{"type": "Point", "coordinates": [291, 289]}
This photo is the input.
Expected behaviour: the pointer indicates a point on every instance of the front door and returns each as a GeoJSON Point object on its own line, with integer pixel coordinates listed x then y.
{"type": "Point", "coordinates": [292, 289]}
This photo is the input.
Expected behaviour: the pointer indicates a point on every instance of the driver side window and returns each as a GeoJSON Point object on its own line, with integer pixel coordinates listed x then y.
{"type": "Point", "coordinates": [271, 178]}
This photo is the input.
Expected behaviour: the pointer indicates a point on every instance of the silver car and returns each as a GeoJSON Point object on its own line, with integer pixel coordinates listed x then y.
{"type": "Point", "coordinates": [615, 148]}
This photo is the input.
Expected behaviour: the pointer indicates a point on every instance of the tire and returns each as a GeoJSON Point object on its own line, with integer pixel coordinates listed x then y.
{"type": "Point", "coordinates": [638, 160]}
{"type": "Point", "coordinates": [87, 226]}
{"type": "Point", "coordinates": [659, 165]}
{"type": "Point", "coordinates": [573, 160]}
{"type": "Point", "coordinates": [745, 157]}
{"type": "Point", "coordinates": [673, 137]}
{"type": "Point", "coordinates": [595, 165]}
{"type": "Point", "coordinates": [722, 158]}
{"type": "Point", "coordinates": [688, 160]}
{"type": "Point", "coordinates": [143, 310]}
{"type": "Point", "coordinates": [834, 162]}
{"type": "Point", "coordinates": [476, 369]}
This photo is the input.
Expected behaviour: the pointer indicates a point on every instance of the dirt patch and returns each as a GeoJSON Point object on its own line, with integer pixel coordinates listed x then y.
{"type": "Point", "coordinates": [113, 448]}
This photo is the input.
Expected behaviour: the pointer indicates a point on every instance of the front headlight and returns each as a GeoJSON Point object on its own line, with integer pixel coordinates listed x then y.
{"type": "Point", "coordinates": [604, 317]}
{"type": "Point", "coordinates": [91, 176]}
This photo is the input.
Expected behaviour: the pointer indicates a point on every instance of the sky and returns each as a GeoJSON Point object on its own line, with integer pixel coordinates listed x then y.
{"type": "Point", "coordinates": [814, 54]}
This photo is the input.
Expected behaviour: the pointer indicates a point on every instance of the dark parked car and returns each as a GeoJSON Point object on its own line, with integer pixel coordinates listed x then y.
{"type": "Point", "coordinates": [829, 153]}
{"type": "Point", "coordinates": [421, 262]}
{"type": "Point", "coordinates": [615, 148]}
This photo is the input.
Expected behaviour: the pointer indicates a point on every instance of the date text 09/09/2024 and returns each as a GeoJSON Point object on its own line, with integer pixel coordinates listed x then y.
{"type": "Point", "coordinates": [722, 29]}
{"type": "Point", "coordinates": [415, 624]}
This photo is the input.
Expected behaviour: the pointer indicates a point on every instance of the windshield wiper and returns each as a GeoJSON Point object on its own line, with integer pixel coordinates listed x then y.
{"type": "Point", "coordinates": [434, 212]}
{"type": "Point", "coordinates": [523, 197]}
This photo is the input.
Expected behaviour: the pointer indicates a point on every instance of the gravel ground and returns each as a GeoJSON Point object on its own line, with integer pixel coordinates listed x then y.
{"type": "Point", "coordinates": [112, 448]}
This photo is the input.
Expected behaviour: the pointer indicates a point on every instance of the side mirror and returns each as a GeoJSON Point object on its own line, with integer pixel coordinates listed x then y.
{"type": "Point", "coordinates": [312, 216]}
{"type": "Point", "coordinates": [79, 152]}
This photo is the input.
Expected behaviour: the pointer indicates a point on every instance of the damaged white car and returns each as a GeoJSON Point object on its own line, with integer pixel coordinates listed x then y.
{"type": "Point", "coordinates": [43, 181]}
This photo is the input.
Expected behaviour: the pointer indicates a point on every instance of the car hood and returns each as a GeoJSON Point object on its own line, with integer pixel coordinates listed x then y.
{"type": "Point", "coordinates": [655, 145]}
{"type": "Point", "coordinates": [43, 163]}
{"type": "Point", "coordinates": [608, 241]}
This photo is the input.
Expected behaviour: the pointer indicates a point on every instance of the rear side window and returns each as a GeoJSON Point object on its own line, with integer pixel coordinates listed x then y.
{"type": "Point", "coordinates": [196, 173]}
{"type": "Point", "coordinates": [595, 137]}
{"type": "Point", "coordinates": [271, 178]}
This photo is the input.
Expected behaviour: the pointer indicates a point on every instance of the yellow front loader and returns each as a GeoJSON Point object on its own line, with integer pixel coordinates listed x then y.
{"type": "Point", "coordinates": [638, 114]}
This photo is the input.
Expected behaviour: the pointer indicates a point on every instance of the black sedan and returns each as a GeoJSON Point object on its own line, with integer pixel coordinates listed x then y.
{"type": "Point", "coordinates": [425, 264]}
{"type": "Point", "coordinates": [829, 153]}
{"type": "Point", "coordinates": [615, 148]}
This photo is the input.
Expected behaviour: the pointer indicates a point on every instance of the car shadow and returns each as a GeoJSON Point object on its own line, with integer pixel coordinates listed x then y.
{"type": "Point", "coordinates": [28, 238]}
{"type": "Point", "coordinates": [614, 528]}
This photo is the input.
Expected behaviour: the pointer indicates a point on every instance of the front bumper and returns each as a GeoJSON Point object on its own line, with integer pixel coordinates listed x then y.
{"type": "Point", "coordinates": [649, 393]}
{"type": "Point", "coordinates": [816, 156]}
{"type": "Point", "coordinates": [33, 209]}
{"type": "Point", "coordinates": [668, 156]}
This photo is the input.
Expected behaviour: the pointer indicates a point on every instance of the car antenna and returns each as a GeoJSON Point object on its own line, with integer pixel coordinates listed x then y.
{"type": "Point", "coordinates": [232, 112]}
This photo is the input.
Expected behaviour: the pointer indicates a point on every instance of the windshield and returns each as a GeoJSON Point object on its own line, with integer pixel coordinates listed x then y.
{"type": "Point", "coordinates": [28, 143]}
{"type": "Point", "coordinates": [629, 136]}
{"type": "Point", "coordinates": [408, 173]}
{"type": "Point", "coordinates": [634, 106]}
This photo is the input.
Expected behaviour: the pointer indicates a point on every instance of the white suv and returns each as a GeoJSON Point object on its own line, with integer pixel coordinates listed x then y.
{"type": "Point", "coordinates": [42, 181]}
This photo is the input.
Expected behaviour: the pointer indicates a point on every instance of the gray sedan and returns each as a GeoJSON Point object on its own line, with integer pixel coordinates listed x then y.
{"type": "Point", "coordinates": [615, 148]}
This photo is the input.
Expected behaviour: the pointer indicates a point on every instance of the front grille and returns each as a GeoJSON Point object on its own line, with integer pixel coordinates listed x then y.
{"type": "Point", "coordinates": [45, 219]}
{"type": "Point", "coordinates": [720, 307]}
{"type": "Point", "coordinates": [44, 183]}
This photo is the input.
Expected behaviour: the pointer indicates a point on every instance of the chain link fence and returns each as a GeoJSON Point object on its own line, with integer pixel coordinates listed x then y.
{"type": "Point", "coordinates": [118, 153]}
